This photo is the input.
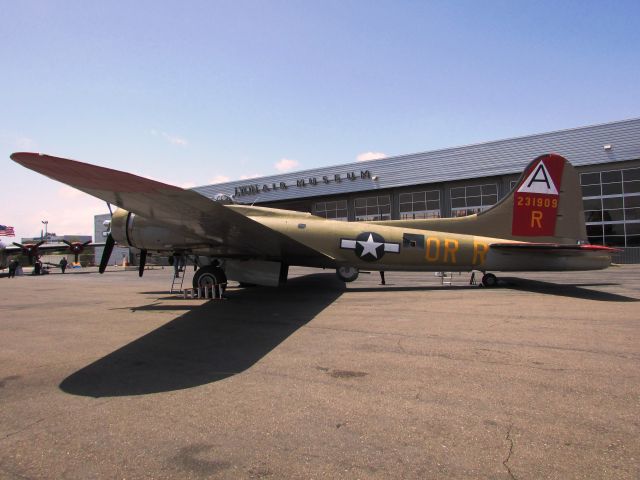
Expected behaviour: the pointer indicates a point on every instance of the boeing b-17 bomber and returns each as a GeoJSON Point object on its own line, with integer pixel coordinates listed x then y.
{"type": "Point", "coordinates": [538, 226]}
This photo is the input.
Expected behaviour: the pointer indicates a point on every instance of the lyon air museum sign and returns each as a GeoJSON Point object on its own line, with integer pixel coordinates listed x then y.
{"type": "Point", "coordinates": [257, 188]}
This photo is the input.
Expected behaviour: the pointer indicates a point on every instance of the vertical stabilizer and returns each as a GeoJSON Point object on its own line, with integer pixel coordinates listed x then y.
{"type": "Point", "coordinates": [544, 206]}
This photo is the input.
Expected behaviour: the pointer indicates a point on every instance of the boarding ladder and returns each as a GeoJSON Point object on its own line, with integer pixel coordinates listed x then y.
{"type": "Point", "coordinates": [177, 280]}
{"type": "Point", "coordinates": [446, 278]}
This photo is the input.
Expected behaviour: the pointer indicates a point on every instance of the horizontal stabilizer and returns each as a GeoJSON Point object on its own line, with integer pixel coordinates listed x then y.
{"type": "Point", "coordinates": [550, 246]}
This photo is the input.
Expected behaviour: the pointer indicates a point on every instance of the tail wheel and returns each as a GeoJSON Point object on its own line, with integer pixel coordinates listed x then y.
{"type": "Point", "coordinates": [347, 273]}
{"type": "Point", "coordinates": [489, 280]}
{"type": "Point", "coordinates": [208, 276]}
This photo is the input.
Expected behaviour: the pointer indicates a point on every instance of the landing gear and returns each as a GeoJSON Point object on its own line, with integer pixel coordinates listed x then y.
{"type": "Point", "coordinates": [347, 273]}
{"type": "Point", "coordinates": [489, 280]}
{"type": "Point", "coordinates": [209, 276]}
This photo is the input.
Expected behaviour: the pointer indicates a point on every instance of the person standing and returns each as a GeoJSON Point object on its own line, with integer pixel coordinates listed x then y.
{"type": "Point", "coordinates": [63, 264]}
{"type": "Point", "coordinates": [178, 264]}
{"type": "Point", "coordinates": [37, 267]}
{"type": "Point", "coordinates": [13, 266]}
{"type": "Point", "coordinates": [382, 282]}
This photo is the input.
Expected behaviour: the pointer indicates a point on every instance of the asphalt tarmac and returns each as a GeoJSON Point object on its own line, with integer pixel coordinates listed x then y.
{"type": "Point", "coordinates": [110, 376]}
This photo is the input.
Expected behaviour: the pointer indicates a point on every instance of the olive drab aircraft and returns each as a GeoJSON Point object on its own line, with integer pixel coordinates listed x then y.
{"type": "Point", "coordinates": [538, 226]}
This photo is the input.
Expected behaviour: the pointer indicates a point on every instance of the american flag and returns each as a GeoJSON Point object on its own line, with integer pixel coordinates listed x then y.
{"type": "Point", "coordinates": [6, 231]}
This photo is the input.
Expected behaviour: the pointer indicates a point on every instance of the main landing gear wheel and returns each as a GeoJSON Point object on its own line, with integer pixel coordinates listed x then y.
{"type": "Point", "coordinates": [347, 273]}
{"type": "Point", "coordinates": [489, 280]}
{"type": "Point", "coordinates": [208, 276]}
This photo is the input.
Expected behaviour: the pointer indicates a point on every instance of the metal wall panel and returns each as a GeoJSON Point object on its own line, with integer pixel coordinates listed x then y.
{"type": "Point", "coordinates": [581, 146]}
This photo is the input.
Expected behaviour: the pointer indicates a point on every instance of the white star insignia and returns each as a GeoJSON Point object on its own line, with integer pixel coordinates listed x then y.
{"type": "Point", "coordinates": [369, 246]}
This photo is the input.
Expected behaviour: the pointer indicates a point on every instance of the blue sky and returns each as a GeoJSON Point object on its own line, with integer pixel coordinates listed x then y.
{"type": "Point", "coordinates": [196, 92]}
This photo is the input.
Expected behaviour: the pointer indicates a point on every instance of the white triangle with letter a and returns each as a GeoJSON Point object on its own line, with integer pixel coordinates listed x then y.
{"type": "Point", "coordinates": [539, 181]}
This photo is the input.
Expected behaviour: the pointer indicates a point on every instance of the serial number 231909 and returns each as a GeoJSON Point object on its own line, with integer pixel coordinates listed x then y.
{"type": "Point", "coordinates": [537, 202]}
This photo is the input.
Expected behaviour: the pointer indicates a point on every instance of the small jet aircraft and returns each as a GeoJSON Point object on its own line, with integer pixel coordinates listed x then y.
{"type": "Point", "coordinates": [538, 226]}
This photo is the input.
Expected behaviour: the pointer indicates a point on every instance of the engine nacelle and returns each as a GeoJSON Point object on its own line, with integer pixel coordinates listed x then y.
{"type": "Point", "coordinates": [131, 230]}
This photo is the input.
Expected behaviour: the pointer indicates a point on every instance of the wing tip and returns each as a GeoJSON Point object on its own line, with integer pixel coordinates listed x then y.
{"type": "Point", "coordinates": [85, 176]}
{"type": "Point", "coordinates": [25, 157]}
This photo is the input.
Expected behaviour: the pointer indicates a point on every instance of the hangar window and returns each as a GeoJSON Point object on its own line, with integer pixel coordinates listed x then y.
{"type": "Point", "coordinates": [334, 210]}
{"type": "Point", "coordinates": [611, 201]}
{"type": "Point", "coordinates": [373, 208]}
{"type": "Point", "coordinates": [473, 199]}
{"type": "Point", "coordinates": [417, 205]}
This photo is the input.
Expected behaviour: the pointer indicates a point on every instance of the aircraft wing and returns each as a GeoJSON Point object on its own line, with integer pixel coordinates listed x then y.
{"type": "Point", "coordinates": [227, 231]}
{"type": "Point", "coordinates": [48, 247]}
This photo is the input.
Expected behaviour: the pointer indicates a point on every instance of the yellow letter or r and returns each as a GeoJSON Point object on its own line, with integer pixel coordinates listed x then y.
{"type": "Point", "coordinates": [450, 248]}
{"type": "Point", "coordinates": [479, 252]}
{"type": "Point", "coordinates": [536, 218]}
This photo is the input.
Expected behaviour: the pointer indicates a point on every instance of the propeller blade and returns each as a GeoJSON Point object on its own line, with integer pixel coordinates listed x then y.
{"type": "Point", "coordinates": [106, 253]}
{"type": "Point", "coordinates": [18, 244]}
{"type": "Point", "coordinates": [143, 261]}
{"type": "Point", "coordinates": [75, 258]}
{"type": "Point", "coordinates": [86, 243]}
{"type": "Point", "coordinates": [66, 242]}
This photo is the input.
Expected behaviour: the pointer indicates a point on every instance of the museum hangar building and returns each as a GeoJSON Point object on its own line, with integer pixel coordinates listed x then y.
{"type": "Point", "coordinates": [465, 180]}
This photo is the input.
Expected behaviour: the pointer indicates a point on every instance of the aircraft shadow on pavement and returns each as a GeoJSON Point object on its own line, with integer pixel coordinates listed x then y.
{"type": "Point", "coordinates": [521, 284]}
{"type": "Point", "coordinates": [209, 343]}
{"type": "Point", "coordinates": [573, 290]}
{"type": "Point", "coordinates": [424, 288]}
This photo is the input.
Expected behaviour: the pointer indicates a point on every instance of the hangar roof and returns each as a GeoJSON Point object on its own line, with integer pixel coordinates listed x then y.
{"type": "Point", "coordinates": [581, 146]}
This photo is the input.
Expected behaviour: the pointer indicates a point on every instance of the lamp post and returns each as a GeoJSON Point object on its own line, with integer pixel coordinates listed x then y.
{"type": "Point", "coordinates": [45, 222]}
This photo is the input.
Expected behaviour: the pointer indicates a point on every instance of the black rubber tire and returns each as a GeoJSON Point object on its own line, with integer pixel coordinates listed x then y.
{"type": "Point", "coordinates": [347, 273]}
{"type": "Point", "coordinates": [489, 280]}
{"type": "Point", "coordinates": [209, 275]}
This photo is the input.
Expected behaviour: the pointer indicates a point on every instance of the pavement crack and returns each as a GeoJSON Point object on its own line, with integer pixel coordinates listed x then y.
{"type": "Point", "coordinates": [40, 420]}
{"type": "Point", "coordinates": [506, 460]}
{"type": "Point", "coordinates": [26, 427]}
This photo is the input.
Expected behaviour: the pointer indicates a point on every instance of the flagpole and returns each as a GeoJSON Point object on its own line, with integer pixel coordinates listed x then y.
{"type": "Point", "coordinates": [46, 222]}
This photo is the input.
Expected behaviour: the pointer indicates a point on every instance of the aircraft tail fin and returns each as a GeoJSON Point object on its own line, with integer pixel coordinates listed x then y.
{"type": "Point", "coordinates": [547, 202]}
{"type": "Point", "coordinates": [544, 206]}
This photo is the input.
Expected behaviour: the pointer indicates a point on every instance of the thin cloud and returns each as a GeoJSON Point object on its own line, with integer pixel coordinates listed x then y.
{"type": "Point", "coordinates": [363, 157]}
{"type": "Point", "coordinates": [286, 164]}
{"type": "Point", "coordinates": [250, 176]}
{"type": "Point", "coordinates": [67, 192]}
{"type": "Point", "coordinates": [181, 142]}
{"type": "Point", "coordinates": [25, 143]}
{"type": "Point", "coordinates": [172, 139]}
{"type": "Point", "coordinates": [18, 142]}
{"type": "Point", "coordinates": [69, 212]}
{"type": "Point", "coordinates": [219, 179]}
